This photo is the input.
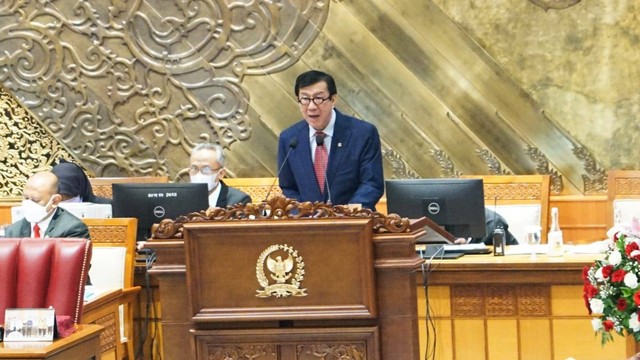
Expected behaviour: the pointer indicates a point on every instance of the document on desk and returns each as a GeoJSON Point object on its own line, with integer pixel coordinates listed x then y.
{"type": "Point", "coordinates": [468, 248]}
{"type": "Point", "coordinates": [597, 247]}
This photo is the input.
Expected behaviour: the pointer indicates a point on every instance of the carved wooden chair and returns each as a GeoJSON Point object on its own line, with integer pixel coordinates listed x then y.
{"type": "Point", "coordinates": [522, 200]}
{"type": "Point", "coordinates": [101, 186]}
{"type": "Point", "coordinates": [257, 188]}
{"type": "Point", "coordinates": [623, 196]}
{"type": "Point", "coordinates": [112, 267]}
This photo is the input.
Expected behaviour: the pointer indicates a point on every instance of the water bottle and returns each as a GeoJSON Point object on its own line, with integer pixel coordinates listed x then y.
{"type": "Point", "coordinates": [554, 238]}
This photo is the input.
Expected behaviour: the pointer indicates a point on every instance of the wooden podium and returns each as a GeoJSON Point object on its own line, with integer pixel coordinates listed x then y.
{"type": "Point", "coordinates": [306, 281]}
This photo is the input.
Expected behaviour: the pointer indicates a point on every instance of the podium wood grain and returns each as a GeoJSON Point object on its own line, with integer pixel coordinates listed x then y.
{"type": "Point", "coordinates": [362, 293]}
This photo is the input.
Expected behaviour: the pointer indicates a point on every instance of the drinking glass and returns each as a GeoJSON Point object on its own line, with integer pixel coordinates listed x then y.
{"type": "Point", "coordinates": [532, 238]}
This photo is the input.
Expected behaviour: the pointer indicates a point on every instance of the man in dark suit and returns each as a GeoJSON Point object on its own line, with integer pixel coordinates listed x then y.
{"type": "Point", "coordinates": [207, 166]}
{"type": "Point", "coordinates": [333, 157]}
{"type": "Point", "coordinates": [493, 221]}
{"type": "Point", "coordinates": [43, 217]}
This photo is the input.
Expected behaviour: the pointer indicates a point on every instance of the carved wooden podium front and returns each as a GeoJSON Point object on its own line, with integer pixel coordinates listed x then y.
{"type": "Point", "coordinates": [306, 281]}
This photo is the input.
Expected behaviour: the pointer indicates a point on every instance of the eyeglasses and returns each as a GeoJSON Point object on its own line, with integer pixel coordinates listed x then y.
{"type": "Point", "coordinates": [316, 100]}
{"type": "Point", "coordinates": [205, 170]}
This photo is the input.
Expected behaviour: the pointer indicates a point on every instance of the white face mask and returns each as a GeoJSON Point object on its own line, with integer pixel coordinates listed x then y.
{"type": "Point", "coordinates": [211, 180]}
{"type": "Point", "coordinates": [33, 211]}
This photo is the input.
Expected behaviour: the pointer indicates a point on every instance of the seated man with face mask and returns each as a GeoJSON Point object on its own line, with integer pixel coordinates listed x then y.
{"type": "Point", "coordinates": [207, 166]}
{"type": "Point", "coordinates": [42, 216]}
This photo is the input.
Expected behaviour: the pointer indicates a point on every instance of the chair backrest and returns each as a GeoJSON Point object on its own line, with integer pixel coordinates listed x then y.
{"type": "Point", "coordinates": [623, 195]}
{"type": "Point", "coordinates": [114, 243]}
{"type": "Point", "coordinates": [38, 273]}
{"type": "Point", "coordinates": [522, 200]}
{"type": "Point", "coordinates": [257, 188]}
{"type": "Point", "coordinates": [101, 186]}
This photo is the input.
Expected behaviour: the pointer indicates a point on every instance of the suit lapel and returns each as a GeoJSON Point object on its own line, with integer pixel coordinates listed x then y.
{"type": "Point", "coordinates": [222, 197]}
{"type": "Point", "coordinates": [339, 142]}
{"type": "Point", "coordinates": [52, 224]}
{"type": "Point", "coordinates": [25, 229]}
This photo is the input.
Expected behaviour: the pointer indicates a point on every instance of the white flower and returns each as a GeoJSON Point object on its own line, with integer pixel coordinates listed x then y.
{"type": "Point", "coordinates": [615, 258]}
{"type": "Point", "coordinates": [596, 305]}
{"type": "Point", "coordinates": [596, 324]}
{"type": "Point", "coordinates": [631, 280]}
{"type": "Point", "coordinates": [598, 275]}
{"type": "Point", "coordinates": [634, 322]}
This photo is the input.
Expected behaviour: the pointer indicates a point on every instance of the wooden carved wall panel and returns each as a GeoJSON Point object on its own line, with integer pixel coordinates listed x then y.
{"type": "Point", "coordinates": [534, 300]}
{"type": "Point", "coordinates": [500, 301]}
{"type": "Point", "coordinates": [250, 351]}
{"type": "Point", "coordinates": [332, 351]}
{"type": "Point", "coordinates": [467, 301]}
{"type": "Point", "coordinates": [108, 234]}
{"type": "Point", "coordinates": [26, 146]}
{"type": "Point", "coordinates": [131, 86]}
{"type": "Point", "coordinates": [627, 186]}
{"type": "Point", "coordinates": [513, 191]}
{"type": "Point", "coordinates": [109, 335]}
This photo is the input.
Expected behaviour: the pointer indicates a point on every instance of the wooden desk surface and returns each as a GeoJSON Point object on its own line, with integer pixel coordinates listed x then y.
{"type": "Point", "coordinates": [83, 344]}
{"type": "Point", "coordinates": [474, 269]}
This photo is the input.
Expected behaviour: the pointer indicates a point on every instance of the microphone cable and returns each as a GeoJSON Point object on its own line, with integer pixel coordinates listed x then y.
{"type": "Point", "coordinates": [293, 143]}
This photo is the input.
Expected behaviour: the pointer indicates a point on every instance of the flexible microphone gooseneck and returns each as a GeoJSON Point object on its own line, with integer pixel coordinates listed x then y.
{"type": "Point", "coordinates": [292, 145]}
{"type": "Point", "coordinates": [320, 142]}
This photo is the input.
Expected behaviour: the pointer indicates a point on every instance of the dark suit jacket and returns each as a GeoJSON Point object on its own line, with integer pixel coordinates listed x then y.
{"type": "Point", "coordinates": [495, 220]}
{"type": "Point", "coordinates": [354, 171]}
{"type": "Point", "coordinates": [63, 225]}
{"type": "Point", "coordinates": [230, 196]}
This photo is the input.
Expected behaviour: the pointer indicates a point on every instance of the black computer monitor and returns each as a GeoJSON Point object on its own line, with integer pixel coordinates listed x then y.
{"type": "Point", "coordinates": [152, 202]}
{"type": "Point", "coordinates": [455, 204]}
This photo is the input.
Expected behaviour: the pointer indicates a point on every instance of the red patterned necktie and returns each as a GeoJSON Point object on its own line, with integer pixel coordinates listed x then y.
{"type": "Point", "coordinates": [320, 160]}
{"type": "Point", "coordinates": [36, 231]}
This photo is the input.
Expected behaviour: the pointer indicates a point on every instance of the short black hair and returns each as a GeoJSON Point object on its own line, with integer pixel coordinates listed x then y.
{"type": "Point", "coordinates": [315, 76]}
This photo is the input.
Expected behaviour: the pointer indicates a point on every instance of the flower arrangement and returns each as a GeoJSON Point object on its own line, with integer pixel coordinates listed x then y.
{"type": "Point", "coordinates": [611, 288]}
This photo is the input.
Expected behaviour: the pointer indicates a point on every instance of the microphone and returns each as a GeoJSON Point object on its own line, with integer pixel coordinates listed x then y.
{"type": "Point", "coordinates": [499, 235]}
{"type": "Point", "coordinates": [320, 142]}
{"type": "Point", "coordinates": [293, 143]}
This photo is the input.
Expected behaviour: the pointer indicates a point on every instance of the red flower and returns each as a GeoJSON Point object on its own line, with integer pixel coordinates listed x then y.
{"type": "Point", "coordinates": [622, 304]}
{"type": "Point", "coordinates": [608, 325]}
{"type": "Point", "coordinates": [630, 247]}
{"type": "Point", "coordinates": [618, 275]}
{"type": "Point", "coordinates": [585, 273]}
{"type": "Point", "coordinates": [636, 298]}
{"type": "Point", "coordinates": [606, 271]}
{"type": "Point", "coordinates": [590, 291]}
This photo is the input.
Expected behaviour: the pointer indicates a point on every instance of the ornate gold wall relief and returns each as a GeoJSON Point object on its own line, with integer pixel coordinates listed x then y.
{"type": "Point", "coordinates": [554, 4]}
{"type": "Point", "coordinates": [131, 86]}
{"type": "Point", "coordinates": [26, 146]}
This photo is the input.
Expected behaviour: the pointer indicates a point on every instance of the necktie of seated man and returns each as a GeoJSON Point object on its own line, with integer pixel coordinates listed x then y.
{"type": "Point", "coordinates": [36, 231]}
{"type": "Point", "coordinates": [320, 160]}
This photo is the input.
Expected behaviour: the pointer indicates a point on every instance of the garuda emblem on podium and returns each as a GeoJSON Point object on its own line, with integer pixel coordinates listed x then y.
{"type": "Point", "coordinates": [286, 271]}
